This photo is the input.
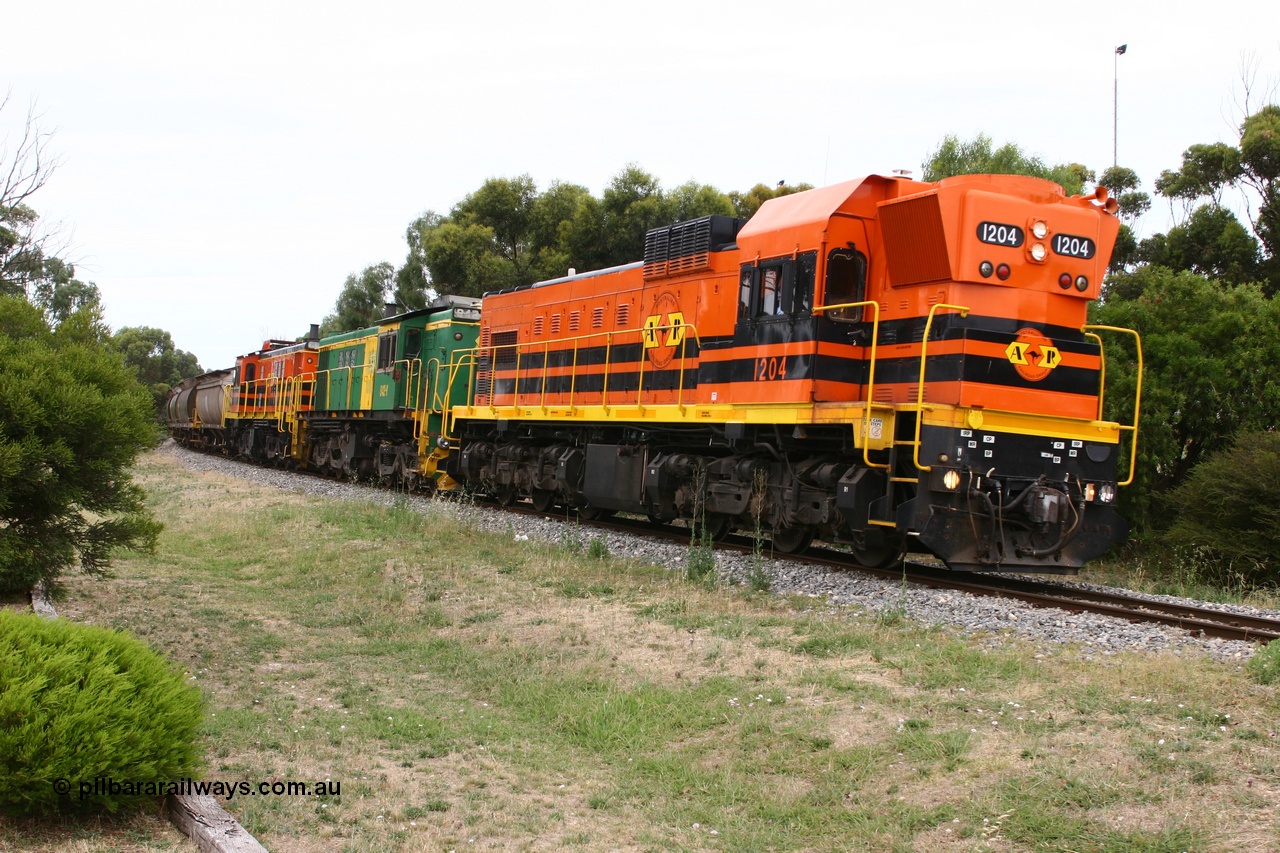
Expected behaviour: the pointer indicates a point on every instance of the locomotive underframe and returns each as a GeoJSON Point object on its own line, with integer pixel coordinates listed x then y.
{"type": "Point", "coordinates": [795, 485]}
{"type": "Point", "coordinates": [379, 445]}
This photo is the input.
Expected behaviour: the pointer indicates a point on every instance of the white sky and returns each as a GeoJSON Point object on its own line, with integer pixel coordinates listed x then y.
{"type": "Point", "coordinates": [226, 165]}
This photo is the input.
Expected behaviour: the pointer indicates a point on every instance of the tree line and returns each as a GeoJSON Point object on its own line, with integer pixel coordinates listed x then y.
{"type": "Point", "coordinates": [508, 233]}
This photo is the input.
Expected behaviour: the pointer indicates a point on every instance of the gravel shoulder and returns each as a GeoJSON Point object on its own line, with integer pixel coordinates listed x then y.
{"type": "Point", "coordinates": [996, 619]}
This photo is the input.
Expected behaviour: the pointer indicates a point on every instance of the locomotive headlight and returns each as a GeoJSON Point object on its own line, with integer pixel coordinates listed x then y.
{"type": "Point", "coordinates": [1106, 493]}
{"type": "Point", "coordinates": [1038, 252]}
{"type": "Point", "coordinates": [1039, 229]}
{"type": "Point", "coordinates": [951, 479]}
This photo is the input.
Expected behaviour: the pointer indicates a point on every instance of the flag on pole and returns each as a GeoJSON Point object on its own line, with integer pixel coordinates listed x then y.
{"type": "Point", "coordinates": [1121, 49]}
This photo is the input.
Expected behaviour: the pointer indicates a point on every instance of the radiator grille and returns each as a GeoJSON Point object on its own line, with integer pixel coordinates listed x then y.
{"type": "Point", "coordinates": [914, 240]}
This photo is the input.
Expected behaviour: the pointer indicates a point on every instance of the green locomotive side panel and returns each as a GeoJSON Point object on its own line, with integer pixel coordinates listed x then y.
{"type": "Point", "coordinates": [342, 377]}
{"type": "Point", "coordinates": [406, 364]}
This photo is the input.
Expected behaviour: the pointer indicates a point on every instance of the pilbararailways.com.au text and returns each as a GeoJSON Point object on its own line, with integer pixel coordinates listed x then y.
{"type": "Point", "coordinates": [106, 786]}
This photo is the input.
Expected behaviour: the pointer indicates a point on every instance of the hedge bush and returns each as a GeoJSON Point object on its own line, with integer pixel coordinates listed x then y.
{"type": "Point", "coordinates": [79, 703]}
{"type": "Point", "coordinates": [1229, 508]}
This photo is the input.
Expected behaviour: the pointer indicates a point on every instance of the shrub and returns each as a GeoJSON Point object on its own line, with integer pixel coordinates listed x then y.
{"type": "Point", "coordinates": [1229, 507]}
{"type": "Point", "coordinates": [73, 419]}
{"type": "Point", "coordinates": [79, 703]}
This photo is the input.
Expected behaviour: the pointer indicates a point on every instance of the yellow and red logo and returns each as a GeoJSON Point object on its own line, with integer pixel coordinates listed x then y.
{"type": "Point", "coordinates": [1033, 355]}
{"type": "Point", "coordinates": [664, 330]}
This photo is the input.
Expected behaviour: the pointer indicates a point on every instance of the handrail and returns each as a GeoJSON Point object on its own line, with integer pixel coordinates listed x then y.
{"type": "Point", "coordinates": [609, 345]}
{"type": "Point", "coordinates": [1137, 396]}
{"type": "Point", "coordinates": [924, 355]}
{"type": "Point", "coordinates": [457, 360]}
{"type": "Point", "coordinates": [1102, 369]}
{"type": "Point", "coordinates": [871, 372]}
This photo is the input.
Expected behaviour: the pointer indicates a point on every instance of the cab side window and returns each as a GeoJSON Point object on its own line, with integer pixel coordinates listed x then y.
{"type": "Point", "coordinates": [777, 288]}
{"type": "Point", "coordinates": [745, 286]}
{"type": "Point", "coordinates": [386, 351]}
{"type": "Point", "coordinates": [770, 303]}
{"type": "Point", "coordinates": [846, 282]}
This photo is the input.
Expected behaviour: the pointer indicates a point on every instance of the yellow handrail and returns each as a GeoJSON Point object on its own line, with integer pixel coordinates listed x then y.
{"type": "Point", "coordinates": [924, 355]}
{"type": "Point", "coordinates": [871, 371]}
{"type": "Point", "coordinates": [687, 329]}
{"type": "Point", "coordinates": [1137, 397]}
{"type": "Point", "coordinates": [1102, 370]}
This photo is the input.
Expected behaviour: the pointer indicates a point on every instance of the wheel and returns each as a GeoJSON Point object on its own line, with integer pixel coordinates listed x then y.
{"type": "Point", "coordinates": [593, 513]}
{"type": "Point", "coordinates": [792, 540]}
{"type": "Point", "coordinates": [876, 552]}
{"type": "Point", "coordinates": [543, 499]}
{"type": "Point", "coordinates": [714, 526]}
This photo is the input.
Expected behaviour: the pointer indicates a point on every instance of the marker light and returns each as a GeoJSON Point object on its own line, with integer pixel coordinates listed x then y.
{"type": "Point", "coordinates": [1082, 283]}
{"type": "Point", "coordinates": [951, 479]}
{"type": "Point", "coordinates": [1038, 251]}
{"type": "Point", "coordinates": [1064, 281]}
{"type": "Point", "coordinates": [1002, 272]}
{"type": "Point", "coordinates": [1039, 229]}
{"type": "Point", "coordinates": [1106, 493]}
{"type": "Point", "coordinates": [1090, 492]}
{"type": "Point", "coordinates": [985, 269]}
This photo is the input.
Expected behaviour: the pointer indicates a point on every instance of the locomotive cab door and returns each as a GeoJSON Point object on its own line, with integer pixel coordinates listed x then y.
{"type": "Point", "coordinates": [774, 331]}
{"type": "Point", "coordinates": [388, 393]}
{"type": "Point", "coordinates": [844, 334]}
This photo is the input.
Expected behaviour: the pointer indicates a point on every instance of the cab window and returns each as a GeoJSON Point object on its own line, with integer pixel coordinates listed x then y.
{"type": "Point", "coordinates": [770, 303]}
{"type": "Point", "coordinates": [777, 288]}
{"type": "Point", "coordinates": [746, 281]}
{"type": "Point", "coordinates": [386, 351]}
{"type": "Point", "coordinates": [846, 282]}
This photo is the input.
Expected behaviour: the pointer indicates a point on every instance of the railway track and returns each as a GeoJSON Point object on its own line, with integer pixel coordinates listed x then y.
{"type": "Point", "coordinates": [1196, 620]}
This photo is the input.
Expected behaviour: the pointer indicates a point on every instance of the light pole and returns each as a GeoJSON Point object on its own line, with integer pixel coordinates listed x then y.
{"type": "Point", "coordinates": [1115, 109]}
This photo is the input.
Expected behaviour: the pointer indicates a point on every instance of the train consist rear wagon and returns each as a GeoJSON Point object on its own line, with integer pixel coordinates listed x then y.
{"type": "Point", "coordinates": [885, 363]}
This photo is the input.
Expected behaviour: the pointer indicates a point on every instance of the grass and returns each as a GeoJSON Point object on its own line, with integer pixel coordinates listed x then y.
{"type": "Point", "coordinates": [1151, 567]}
{"type": "Point", "coordinates": [471, 691]}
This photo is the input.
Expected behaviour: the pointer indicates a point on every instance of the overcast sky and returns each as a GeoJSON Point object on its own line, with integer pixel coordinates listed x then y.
{"type": "Point", "coordinates": [226, 165]}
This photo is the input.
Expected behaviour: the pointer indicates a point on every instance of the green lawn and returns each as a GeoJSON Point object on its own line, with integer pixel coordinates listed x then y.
{"type": "Point", "coordinates": [473, 692]}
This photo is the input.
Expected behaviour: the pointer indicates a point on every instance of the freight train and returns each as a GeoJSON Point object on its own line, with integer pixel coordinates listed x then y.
{"type": "Point", "coordinates": [888, 364]}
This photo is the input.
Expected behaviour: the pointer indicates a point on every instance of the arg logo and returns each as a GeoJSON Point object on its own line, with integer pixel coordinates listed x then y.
{"type": "Point", "coordinates": [664, 330]}
{"type": "Point", "coordinates": [1033, 355]}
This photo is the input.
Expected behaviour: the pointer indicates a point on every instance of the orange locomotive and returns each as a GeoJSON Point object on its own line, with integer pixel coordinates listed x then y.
{"type": "Point", "coordinates": [268, 390]}
{"type": "Point", "coordinates": [886, 363]}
